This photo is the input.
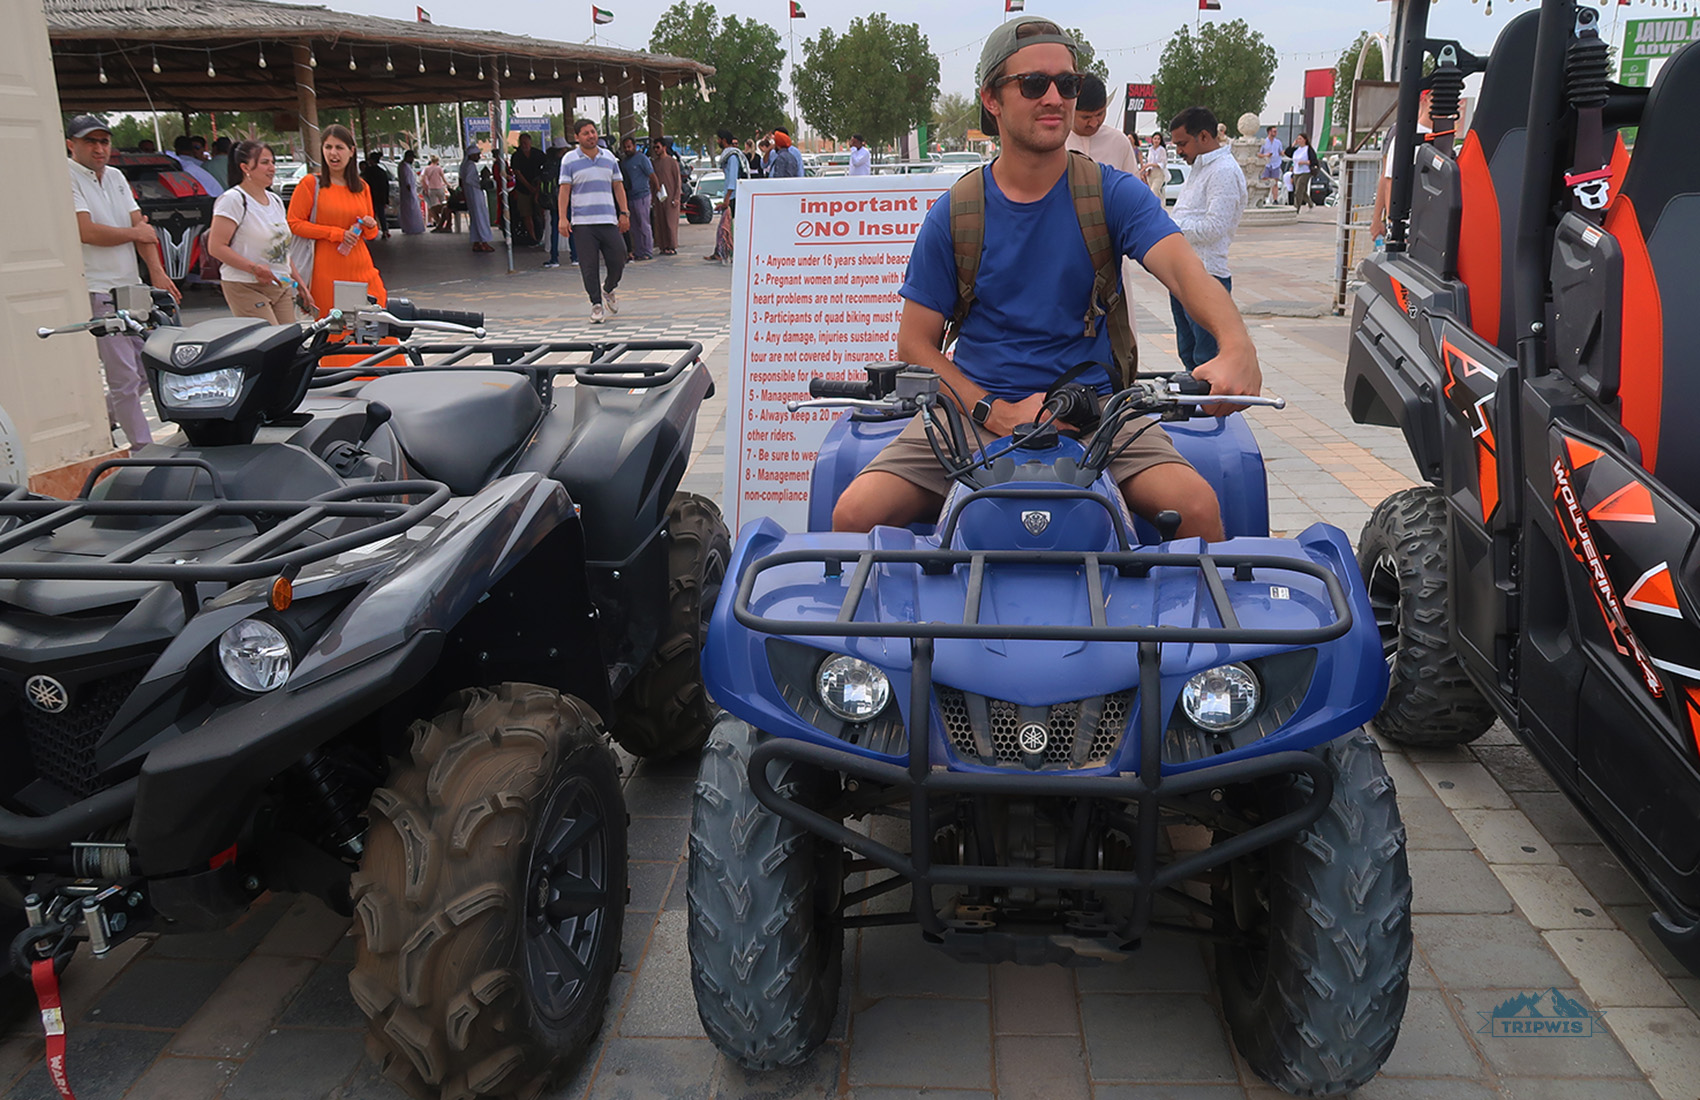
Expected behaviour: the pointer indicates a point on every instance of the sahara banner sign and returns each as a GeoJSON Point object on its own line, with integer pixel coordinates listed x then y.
{"type": "Point", "coordinates": [816, 270]}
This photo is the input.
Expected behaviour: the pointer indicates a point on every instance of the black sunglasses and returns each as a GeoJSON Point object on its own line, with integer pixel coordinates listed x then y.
{"type": "Point", "coordinates": [1034, 85]}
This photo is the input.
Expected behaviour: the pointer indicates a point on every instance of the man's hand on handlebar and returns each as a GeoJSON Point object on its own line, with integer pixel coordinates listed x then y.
{"type": "Point", "coordinates": [1234, 371]}
{"type": "Point", "coordinates": [1006, 416]}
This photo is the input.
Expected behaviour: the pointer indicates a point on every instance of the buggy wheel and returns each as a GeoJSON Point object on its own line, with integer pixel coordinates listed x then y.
{"type": "Point", "coordinates": [767, 948]}
{"type": "Point", "coordinates": [490, 896]}
{"type": "Point", "coordinates": [665, 710]}
{"type": "Point", "coordinates": [1315, 999]}
{"type": "Point", "coordinates": [1403, 555]}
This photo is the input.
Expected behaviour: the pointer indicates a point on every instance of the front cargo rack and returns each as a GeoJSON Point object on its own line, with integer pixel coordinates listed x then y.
{"type": "Point", "coordinates": [620, 364]}
{"type": "Point", "coordinates": [393, 506]}
{"type": "Point", "coordinates": [922, 780]}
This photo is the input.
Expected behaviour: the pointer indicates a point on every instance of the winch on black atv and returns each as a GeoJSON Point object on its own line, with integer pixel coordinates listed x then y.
{"type": "Point", "coordinates": [360, 638]}
{"type": "Point", "coordinates": [1040, 693]}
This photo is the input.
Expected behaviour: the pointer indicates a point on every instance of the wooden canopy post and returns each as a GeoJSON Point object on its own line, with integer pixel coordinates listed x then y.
{"type": "Point", "coordinates": [628, 117]}
{"type": "Point", "coordinates": [498, 162]}
{"type": "Point", "coordinates": [365, 145]}
{"type": "Point", "coordinates": [652, 103]}
{"type": "Point", "coordinates": [306, 103]}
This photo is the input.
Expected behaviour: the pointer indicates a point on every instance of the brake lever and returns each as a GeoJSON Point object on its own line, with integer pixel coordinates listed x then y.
{"type": "Point", "coordinates": [384, 316]}
{"type": "Point", "coordinates": [851, 403]}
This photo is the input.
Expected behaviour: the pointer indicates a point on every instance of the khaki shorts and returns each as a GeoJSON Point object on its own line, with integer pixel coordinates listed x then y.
{"type": "Point", "coordinates": [911, 458]}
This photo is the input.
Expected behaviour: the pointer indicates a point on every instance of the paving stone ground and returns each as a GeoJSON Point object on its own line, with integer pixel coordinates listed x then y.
{"type": "Point", "coordinates": [1513, 892]}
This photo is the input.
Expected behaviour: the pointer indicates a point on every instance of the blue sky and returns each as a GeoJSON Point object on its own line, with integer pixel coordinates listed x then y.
{"type": "Point", "coordinates": [1129, 33]}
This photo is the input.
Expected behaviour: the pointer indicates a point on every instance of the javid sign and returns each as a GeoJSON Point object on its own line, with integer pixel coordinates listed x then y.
{"type": "Point", "coordinates": [817, 266]}
{"type": "Point", "coordinates": [1647, 43]}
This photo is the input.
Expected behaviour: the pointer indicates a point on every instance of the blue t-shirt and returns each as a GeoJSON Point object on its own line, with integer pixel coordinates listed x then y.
{"type": "Point", "coordinates": [1035, 276]}
{"type": "Point", "coordinates": [637, 170]}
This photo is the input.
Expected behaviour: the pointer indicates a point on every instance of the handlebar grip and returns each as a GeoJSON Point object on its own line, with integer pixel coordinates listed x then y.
{"type": "Point", "coordinates": [831, 388]}
{"type": "Point", "coordinates": [468, 318]}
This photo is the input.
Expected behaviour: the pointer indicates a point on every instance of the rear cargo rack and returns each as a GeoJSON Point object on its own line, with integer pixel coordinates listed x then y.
{"type": "Point", "coordinates": [260, 556]}
{"type": "Point", "coordinates": [619, 364]}
{"type": "Point", "coordinates": [1135, 563]}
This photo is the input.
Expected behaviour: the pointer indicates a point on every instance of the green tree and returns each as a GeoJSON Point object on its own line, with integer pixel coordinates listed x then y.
{"type": "Point", "coordinates": [747, 57]}
{"type": "Point", "coordinates": [1086, 59]}
{"type": "Point", "coordinates": [877, 79]}
{"type": "Point", "coordinates": [1226, 67]}
{"type": "Point", "coordinates": [954, 114]}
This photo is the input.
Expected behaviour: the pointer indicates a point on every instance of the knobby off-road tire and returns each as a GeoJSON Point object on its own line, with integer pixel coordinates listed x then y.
{"type": "Point", "coordinates": [766, 946]}
{"type": "Point", "coordinates": [665, 710]}
{"type": "Point", "coordinates": [1403, 555]}
{"type": "Point", "coordinates": [490, 896]}
{"type": "Point", "coordinates": [1315, 1008]}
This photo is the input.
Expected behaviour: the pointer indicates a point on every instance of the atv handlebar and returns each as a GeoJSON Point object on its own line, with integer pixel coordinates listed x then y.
{"type": "Point", "coordinates": [101, 326]}
{"type": "Point", "coordinates": [385, 317]}
{"type": "Point", "coordinates": [833, 388]}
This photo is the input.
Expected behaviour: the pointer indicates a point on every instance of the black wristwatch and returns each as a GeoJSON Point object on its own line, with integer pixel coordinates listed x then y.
{"type": "Point", "coordinates": [982, 410]}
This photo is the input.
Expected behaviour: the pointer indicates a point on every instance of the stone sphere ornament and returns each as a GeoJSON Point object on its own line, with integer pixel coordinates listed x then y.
{"type": "Point", "coordinates": [1248, 125]}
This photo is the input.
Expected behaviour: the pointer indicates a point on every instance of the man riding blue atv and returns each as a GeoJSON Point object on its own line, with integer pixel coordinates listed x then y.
{"type": "Point", "coordinates": [1041, 687]}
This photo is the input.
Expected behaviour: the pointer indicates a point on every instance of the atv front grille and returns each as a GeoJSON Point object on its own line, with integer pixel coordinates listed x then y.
{"type": "Point", "coordinates": [974, 722]}
{"type": "Point", "coordinates": [62, 745]}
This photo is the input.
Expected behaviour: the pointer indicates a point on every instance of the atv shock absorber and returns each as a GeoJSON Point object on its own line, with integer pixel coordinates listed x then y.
{"type": "Point", "coordinates": [1446, 88]}
{"type": "Point", "coordinates": [1587, 79]}
{"type": "Point", "coordinates": [339, 804]}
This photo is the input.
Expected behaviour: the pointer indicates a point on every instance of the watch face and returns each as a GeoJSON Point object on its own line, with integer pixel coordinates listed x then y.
{"type": "Point", "coordinates": [982, 410]}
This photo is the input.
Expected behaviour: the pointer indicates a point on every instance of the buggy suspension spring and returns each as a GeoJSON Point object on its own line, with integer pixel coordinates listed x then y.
{"type": "Point", "coordinates": [338, 802]}
{"type": "Point", "coordinates": [1446, 88]}
{"type": "Point", "coordinates": [1587, 72]}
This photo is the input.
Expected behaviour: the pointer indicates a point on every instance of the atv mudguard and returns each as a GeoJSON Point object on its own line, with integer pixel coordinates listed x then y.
{"type": "Point", "coordinates": [493, 592]}
{"type": "Point", "coordinates": [621, 454]}
{"type": "Point", "coordinates": [1222, 449]}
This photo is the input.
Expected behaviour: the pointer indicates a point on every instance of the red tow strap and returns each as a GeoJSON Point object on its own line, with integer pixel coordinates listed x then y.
{"type": "Point", "coordinates": [53, 1023]}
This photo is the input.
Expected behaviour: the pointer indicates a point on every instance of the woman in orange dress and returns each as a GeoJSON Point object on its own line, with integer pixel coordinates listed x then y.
{"type": "Point", "coordinates": [344, 216]}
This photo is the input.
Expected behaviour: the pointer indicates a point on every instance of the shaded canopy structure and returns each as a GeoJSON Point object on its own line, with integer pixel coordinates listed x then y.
{"type": "Point", "coordinates": [249, 55]}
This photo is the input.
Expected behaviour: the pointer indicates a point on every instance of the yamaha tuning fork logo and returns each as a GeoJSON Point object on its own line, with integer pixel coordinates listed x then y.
{"type": "Point", "coordinates": [46, 693]}
{"type": "Point", "coordinates": [1034, 738]}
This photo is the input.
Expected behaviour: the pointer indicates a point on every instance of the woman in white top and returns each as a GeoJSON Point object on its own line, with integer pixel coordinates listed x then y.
{"type": "Point", "coordinates": [1157, 165]}
{"type": "Point", "coordinates": [1304, 160]}
{"type": "Point", "coordinates": [250, 237]}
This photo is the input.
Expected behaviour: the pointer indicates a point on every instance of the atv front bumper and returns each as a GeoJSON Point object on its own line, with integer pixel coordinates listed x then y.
{"type": "Point", "coordinates": [926, 784]}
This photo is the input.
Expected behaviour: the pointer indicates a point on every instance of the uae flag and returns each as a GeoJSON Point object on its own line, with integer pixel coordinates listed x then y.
{"type": "Point", "coordinates": [423, 15]}
{"type": "Point", "coordinates": [1014, 5]}
{"type": "Point", "coordinates": [797, 11]}
{"type": "Point", "coordinates": [600, 16]}
{"type": "Point", "coordinates": [1209, 5]}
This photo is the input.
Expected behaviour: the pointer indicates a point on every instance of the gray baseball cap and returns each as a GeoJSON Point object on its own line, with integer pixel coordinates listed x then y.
{"type": "Point", "coordinates": [1003, 43]}
{"type": "Point", "coordinates": [84, 125]}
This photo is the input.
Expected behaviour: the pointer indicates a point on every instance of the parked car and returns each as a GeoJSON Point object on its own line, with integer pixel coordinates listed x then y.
{"type": "Point", "coordinates": [289, 173]}
{"type": "Point", "coordinates": [1179, 172]}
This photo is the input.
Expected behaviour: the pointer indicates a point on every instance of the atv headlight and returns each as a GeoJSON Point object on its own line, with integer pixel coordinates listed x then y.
{"type": "Point", "coordinates": [1221, 698]}
{"type": "Point", "coordinates": [212, 390]}
{"type": "Point", "coordinates": [851, 688]}
{"type": "Point", "coordinates": [255, 656]}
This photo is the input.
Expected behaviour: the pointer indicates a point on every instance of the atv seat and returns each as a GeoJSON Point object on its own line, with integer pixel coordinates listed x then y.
{"type": "Point", "coordinates": [1655, 221]}
{"type": "Point", "coordinates": [1490, 180]}
{"type": "Point", "coordinates": [460, 427]}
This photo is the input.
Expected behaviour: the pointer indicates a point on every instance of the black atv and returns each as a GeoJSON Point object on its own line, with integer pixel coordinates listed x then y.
{"type": "Point", "coordinates": [359, 639]}
{"type": "Point", "coordinates": [1531, 330]}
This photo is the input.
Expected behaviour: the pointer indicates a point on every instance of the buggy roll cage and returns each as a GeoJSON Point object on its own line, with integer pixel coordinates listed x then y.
{"type": "Point", "coordinates": [618, 365]}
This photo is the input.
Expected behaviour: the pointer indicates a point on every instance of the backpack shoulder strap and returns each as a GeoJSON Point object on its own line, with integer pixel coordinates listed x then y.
{"type": "Point", "coordinates": [1086, 187]}
{"type": "Point", "coordinates": [968, 241]}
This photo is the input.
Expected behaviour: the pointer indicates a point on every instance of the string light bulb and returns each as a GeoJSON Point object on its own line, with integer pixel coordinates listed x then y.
{"type": "Point", "coordinates": [351, 65]}
{"type": "Point", "coordinates": [451, 62]}
{"type": "Point", "coordinates": [210, 70]}
{"type": "Point", "coordinates": [262, 57]}
{"type": "Point", "coordinates": [480, 68]}
{"type": "Point", "coordinates": [100, 62]}
{"type": "Point", "coordinates": [389, 65]}
{"type": "Point", "coordinates": [624, 75]}
{"type": "Point", "coordinates": [532, 70]}
{"type": "Point", "coordinates": [505, 72]}
{"type": "Point", "coordinates": [156, 61]}
{"type": "Point", "coordinates": [312, 58]}
{"type": "Point", "coordinates": [421, 60]}
{"type": "Point", "coordinates": [554, 72]}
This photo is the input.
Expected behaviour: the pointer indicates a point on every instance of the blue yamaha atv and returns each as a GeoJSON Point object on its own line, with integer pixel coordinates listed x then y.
{"type": "Point", "coordinates": [1041, 687]}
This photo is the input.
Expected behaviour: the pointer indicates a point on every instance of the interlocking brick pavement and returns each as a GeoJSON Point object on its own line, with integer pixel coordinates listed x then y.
{"type": "Point", "coordinates": [259, 1010]}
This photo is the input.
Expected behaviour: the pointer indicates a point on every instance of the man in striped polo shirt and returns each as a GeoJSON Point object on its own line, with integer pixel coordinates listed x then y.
{"type": "Point", "coordinates": [594, 212]}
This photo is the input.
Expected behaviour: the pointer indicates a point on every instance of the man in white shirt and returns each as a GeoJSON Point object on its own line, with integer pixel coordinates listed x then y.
{"type": "Point", "coordinates": [1208, 213]}
{"type": "Point", "coordinates": [1089, 136]}
{"type": "Point", "coordinates": [861, 157]}
{"type": "Point", "coordinates": [112, 228]}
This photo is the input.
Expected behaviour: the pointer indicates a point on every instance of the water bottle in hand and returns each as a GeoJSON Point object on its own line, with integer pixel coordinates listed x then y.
{"type": "Point", "coordinates": [346, 245]}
